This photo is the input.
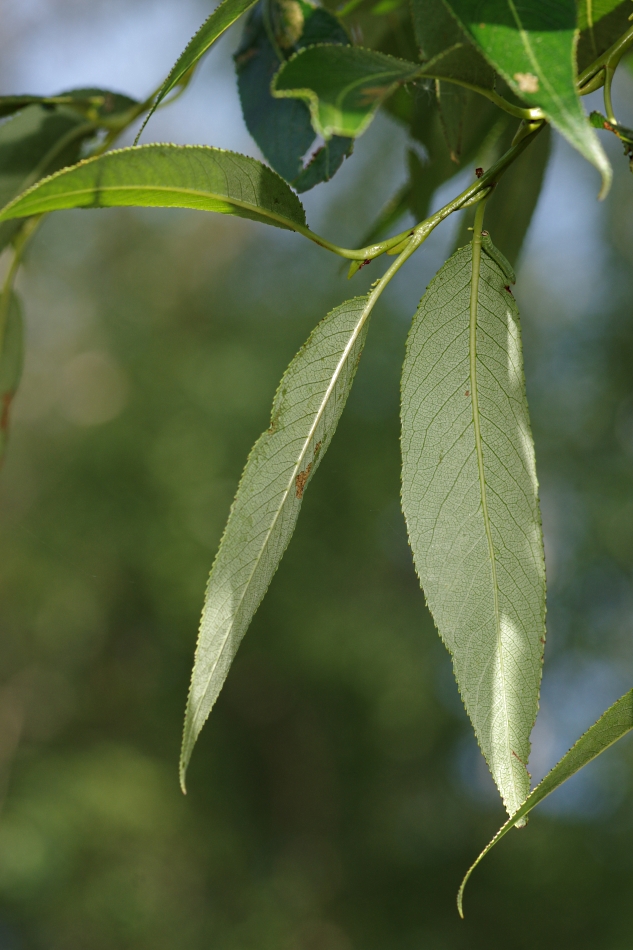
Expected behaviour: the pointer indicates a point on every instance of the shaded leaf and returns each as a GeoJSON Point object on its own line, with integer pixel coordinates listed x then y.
{"type": "Point", "coordinates": [305, 413]}
{"type": "Point", "coordinates": [34, 143]}
{"type": "Point", "coordinates": [324, 163]}
{"type": "Point", "coordinates": [509, 211]}
{"type": "Point", "coordinates": [93, 103]}
{"type": "Point", "coordinates": [168, 176]}
{"type": "Point", "coordinates": [282, 127]}
{"type": "Point", "coordinates": [469, 495]}
{"type": "Point", "coordinates": [615, 723]}
{"type": "Point", "coordinates": [224, 16]}
{"type": "Point", "coordinates": [601, 22]}
{"type": "Point", "coordinates": [11, 361]}
{"type": "Point", "coordinates": [533, 49]}
{"type": "Point", "coordinates": [446, 49]}
{"type": "Point", "coordinates": [452, 103]}
{"type": "Point", "coordinates": [343, 86]}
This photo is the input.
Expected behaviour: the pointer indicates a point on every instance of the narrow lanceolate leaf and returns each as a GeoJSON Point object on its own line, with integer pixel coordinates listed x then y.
{"type": "Point", "coordinates": [11, 360]}
{"type": "Point", "coordinates": [469, 495]}
{"type": "Point", "coordinates": [447, 51]}
{"type": "Point", "coordinates": [601, 23]}
{"type": "Point", "coordinates": [224, 16]}
{"type": "Point", "coordinates": [168, 176]}
{"type": "Point", "coordinates": [612, 725]}
{"type": "Point", "coordinates": [534, 50]}
{"type": "Point", "coordinates": [305, 413]}
{"type": "Point", "coordinates": [343, 85]}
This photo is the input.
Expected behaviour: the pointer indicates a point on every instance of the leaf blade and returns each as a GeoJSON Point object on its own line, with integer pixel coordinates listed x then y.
{"type": "Point", "coordinates": [612, 725]}
{"type": "Point", "coordinates": [224, 16]}
{"type": "Point", "coordinates": [342, 85]}
{"type": "Point", "coordinates": [469, 495]}
{"type": "Point", "coordinates": [534, 50]}
{"type": "Point", "coordinates": [306, 409]}
{"type": "Point", "coordinates": [190, 176]}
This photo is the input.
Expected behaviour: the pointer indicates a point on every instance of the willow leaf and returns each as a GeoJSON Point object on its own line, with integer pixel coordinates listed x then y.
{"type": "Point", "coordinates": [343, 85]}
{"type": "Point", "coordinates": [224, 16]}
{"type": "Point", "coordinates": [306, 410]}
{"type": "Point", "coordinates": [469, 494]}
{"type": "Point", "coordinates": [168, 176]}
{"type": "Point", "coordinates": [11, 360]}
{"type": "Point", "coordinates": [612, 725]}
{"type": "Point", "coordinates": [533, 47]}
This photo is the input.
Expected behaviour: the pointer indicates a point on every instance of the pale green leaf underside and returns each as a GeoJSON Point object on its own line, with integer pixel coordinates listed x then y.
{"type": "Point", "coordinates": [306, 410]}
{"type": "Point", "coordinates": [612, 725]}
{"type": "Point", "coordinates": [167, 176]}
{"type": "Point", "coordinates": [224, 16]}
{"type": "Point", "coordinates": [534, 50]}
{"type": "Point", "coordinates": [342, 85]}
{"type": "Point", "coordinates": [484, 578]}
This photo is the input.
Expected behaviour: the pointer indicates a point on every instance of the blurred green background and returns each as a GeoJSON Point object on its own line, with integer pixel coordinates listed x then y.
{"type": "Point", "coordinates": [336, 796]}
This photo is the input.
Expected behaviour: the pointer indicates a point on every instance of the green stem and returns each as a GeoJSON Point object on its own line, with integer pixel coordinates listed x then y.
{"type": "Point", "coordinates": [608, 104]}
{"type": "Point", "coordinates": [590, 75]}
{"type": "Point", "coordinates": [20, 243]}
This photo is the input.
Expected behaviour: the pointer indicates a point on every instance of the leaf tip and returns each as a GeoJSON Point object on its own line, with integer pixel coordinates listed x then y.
{"type": "Point", "coordinates": [607, 178]}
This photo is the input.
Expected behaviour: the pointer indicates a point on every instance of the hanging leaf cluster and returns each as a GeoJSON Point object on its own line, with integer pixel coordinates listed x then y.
{"type": "Point", "coordinates": [477, 85]}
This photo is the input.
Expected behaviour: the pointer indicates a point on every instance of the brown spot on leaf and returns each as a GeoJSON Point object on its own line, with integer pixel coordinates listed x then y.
{"type": "Point", "coordinates": [527, 82]}
{"type": "Point", "coordinates": [317, 449]}
{"type": "Point", "coordinates": [479, 172]}
{"type": "Point", "coordinates": [467, 393]}
{"type": "Point", "coordinates": [301, 479]}
{"type": "Point", "coordinates": [506, 287]}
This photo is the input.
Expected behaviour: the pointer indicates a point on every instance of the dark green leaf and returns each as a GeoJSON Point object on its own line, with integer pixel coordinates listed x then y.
{"type": "Point", "coordinates": [533, 47]}
{"type": "Point", "coordinates": [225, 14]}
{"type": "Point", "coordinates": [447, 51]}
{"type": "Point", "coordinates": [34, 143]}
{"type": "Point", "coordinates": [612, 725]}
{"type": "Point", "coordinates": [601, 22]}
{"type": "Point", "coordinates": [168, 176]}
{"type": "Point", "coordinates": [306, 410]}
{"type": "Point", "coordinates": [343, 86]}
{"type": "Point", "coordinates": [325, 162]}
{"type": "Point", "coordinates": [11, 361]}
{"type": "Point", "coordinates": [282, 127]}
